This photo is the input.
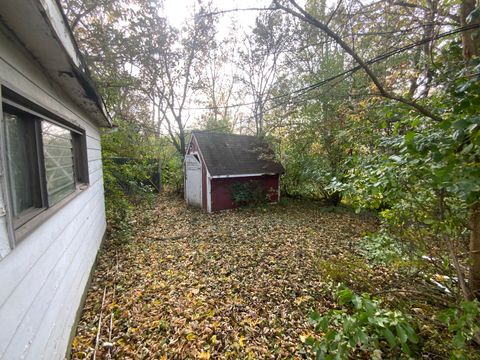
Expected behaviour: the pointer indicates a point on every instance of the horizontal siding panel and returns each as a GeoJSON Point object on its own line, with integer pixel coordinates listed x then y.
{"type": "Point", "coordinates": [93, 142]}
{"type": "Point", "coordinates": [60, 264]}
{"type": "Point", "coordinates": [98, 181]}
{"type": "Point", "coordinates": [59, 334]}
{"type": "Point", "coordinates": [94, 165]}
{"type": "Point", "coordinates": [96, 137]}
{"type": "Point", "coordinates": [22, 297]}
{"type": "Point", "coordinates": [94, 154]}
{"type": "Point", "coordinates": [90, 160]}
{"type": "Point", "coordinates": [95, 176]}
{"type": "Point", "coordinates": [23, 258]}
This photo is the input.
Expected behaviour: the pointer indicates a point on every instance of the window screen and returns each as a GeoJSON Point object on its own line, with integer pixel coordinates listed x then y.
{"type": "Point", "coordinates": [59, 161]}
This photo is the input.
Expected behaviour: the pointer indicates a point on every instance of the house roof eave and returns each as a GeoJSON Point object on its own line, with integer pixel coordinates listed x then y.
{"type": "Point", "coordinates": [48, 38]}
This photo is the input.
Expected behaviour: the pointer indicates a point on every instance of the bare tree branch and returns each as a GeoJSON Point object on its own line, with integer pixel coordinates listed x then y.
{"type": "Point", "coordinates": [301, 14]}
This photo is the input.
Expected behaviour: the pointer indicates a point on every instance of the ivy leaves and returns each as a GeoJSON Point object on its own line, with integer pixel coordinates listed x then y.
{"type": "Point", "coordinates": [361, 325]}
{"type": "Point", "coordinates": [463, 323]}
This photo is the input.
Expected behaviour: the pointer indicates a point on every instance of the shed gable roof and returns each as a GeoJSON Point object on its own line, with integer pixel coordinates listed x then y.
{"type": "Point", "coordinates": [228, 154]}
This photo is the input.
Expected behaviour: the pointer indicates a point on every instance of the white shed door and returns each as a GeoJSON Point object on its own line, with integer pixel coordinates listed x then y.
{"type": "Point", "coordinates": [193, 182]}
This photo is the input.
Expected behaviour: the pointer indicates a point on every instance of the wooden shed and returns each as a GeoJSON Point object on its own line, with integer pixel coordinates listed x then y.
{"type": "Point", "coordinates": [217, 163]}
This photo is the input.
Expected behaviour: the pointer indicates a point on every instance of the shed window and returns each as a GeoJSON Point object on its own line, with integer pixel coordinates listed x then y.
{"type": "Point", "coordinates": [45, 161]}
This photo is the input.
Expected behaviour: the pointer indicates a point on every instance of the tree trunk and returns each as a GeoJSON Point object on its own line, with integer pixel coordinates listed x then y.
{"type": "Point", "coordinates": [471, 41]}
{"type": "Point", "coordinates": [474, 278]}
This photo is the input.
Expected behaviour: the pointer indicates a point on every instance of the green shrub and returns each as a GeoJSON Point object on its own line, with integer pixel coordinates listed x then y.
{"type": "Point", "coordinates": [362, 326]}
{"type": "Point", "coordinates": [348, 269]}
{"type": "Point", "coordinates": [172, 173]}
{"type": "Point", "coordinates": [381, 248]}
{"type": "Point", "coordinates": [126, 185]}
{"type": "Point", "coordinates": [249, 193]}
{"type": "Point", "coordinates": [463, 323]}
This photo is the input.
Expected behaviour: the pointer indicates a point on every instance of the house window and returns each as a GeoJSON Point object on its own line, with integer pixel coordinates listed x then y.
{"type": "Point", "coordinates": [59, 159]}
{"type": "Point", "coordinates": [45, 161]}
{"type": "Point", "coordinates": [22, 163]}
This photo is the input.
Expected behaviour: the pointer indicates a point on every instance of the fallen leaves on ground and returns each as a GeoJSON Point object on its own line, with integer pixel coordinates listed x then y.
{"type": "Point", "coordinates": [229, 285]}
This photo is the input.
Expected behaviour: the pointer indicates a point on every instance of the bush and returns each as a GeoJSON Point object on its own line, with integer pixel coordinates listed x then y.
{"type": "Point", "coordinates": [172, 173]}
{"type": "Point", "coordinates": [126, 184]}
{"type": "Point", "coordinates": [362, 326]}
{"type": "Point", "coordinates": [463, 323]}
{"type": "Point", "coordinates": [249, 193]}
{"type": "Point", "coordinates": [349, 269]}
{"type": "Point", "coordinates": [381, 248]}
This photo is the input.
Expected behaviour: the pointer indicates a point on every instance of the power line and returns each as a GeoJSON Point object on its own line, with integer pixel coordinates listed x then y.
{"type": "Point", "coordinates": [352, 70]}
{"type": "Point", "coordinates": [377, 59]}
{"type": "Point", "coordinates": [300, 92]}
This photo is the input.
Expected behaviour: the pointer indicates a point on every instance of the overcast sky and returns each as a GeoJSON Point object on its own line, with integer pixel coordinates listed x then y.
{"type": "Point", "coordinates": [177, 10]}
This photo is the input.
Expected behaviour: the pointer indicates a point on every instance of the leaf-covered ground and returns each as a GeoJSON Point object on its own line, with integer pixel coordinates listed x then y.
{"type": "Point", "coordinates": [236, 284]}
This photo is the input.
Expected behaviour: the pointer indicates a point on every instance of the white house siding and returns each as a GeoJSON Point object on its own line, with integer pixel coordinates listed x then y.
{"type": "Point", "coordinates": [43, 278]}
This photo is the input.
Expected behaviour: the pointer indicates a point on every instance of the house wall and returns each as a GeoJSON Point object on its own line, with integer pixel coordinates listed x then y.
{"type": "Point", "coordinates": [43, 278]}
{"type": "Point", "coordinates": [194, 148]}
{"type": "Point", "coordinates": [221, 189]}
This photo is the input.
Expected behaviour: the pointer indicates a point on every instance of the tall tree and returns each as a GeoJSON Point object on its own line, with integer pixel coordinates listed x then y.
{"type": "Point", "coordinates": [103, 37]}
{"type": "Point", "coordinates": [384, 88]}
{"type": "Point", "coordinates": [170, 63]}
{"type": "Point", "coordinates": [260, 61]}
{"type": "Point", "coordinates": [218, 87]}
{"type": "Point", "coordinates": [470, 14]}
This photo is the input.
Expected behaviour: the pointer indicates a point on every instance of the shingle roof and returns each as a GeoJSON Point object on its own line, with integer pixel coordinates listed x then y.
{"type": "Point", "coordinates": [228, 154]}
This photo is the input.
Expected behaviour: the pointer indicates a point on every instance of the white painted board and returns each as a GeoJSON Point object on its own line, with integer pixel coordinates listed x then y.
{"type": "Point", "coordinates": [193, 181]}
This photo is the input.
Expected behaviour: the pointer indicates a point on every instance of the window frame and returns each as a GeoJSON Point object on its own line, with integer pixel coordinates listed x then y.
{"type": "Point", "coordinates": [19, 227]}
{"type": "Point", "coordinates": [39, 183]}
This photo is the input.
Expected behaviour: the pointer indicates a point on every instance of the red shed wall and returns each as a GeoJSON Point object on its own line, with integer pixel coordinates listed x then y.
{"type": "Point", "coordinates": [192, 149]}
{"type": "Point", "coordinates": [221, 189]}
